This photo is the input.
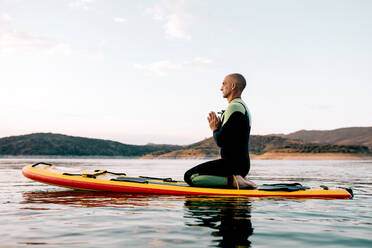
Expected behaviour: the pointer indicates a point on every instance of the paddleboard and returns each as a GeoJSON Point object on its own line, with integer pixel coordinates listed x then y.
{"type": "Point", "coordinates": [102, 180]}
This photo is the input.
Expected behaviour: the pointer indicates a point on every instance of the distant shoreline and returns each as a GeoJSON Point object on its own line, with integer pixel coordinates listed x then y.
{"type": "Point", "coordinates": [310, 156]}
{"type": "Point", "coordinates": [272, 156]}
{"type": "Point", "coordinates": [284, 156]}
{"type": "Point", "coordinates": [266, 156]}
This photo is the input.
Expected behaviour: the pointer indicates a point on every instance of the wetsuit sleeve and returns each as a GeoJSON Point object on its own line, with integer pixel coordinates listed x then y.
{"type": "Point", "coordinates": [231, 131]}
{"type": "Point", "coordinates": [217, 135]}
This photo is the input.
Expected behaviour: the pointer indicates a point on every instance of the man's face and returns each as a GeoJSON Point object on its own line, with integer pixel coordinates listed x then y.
{"type": "Point", "coordinates": [226, 87]}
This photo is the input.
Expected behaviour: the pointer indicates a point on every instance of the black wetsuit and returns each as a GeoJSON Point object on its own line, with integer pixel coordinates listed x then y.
{"type": "Point", "coordinates": [232, 136]}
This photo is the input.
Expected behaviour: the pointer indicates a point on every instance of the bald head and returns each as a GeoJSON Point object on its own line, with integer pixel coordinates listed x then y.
{"type": "Point", "coordinates": [233, 86]}
{"type": "Point", "coordinates": [238, 79]}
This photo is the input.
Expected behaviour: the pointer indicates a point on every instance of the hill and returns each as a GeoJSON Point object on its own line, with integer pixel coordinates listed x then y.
{"type": "Point", "coordinates": [202, 149]}
{"type": "Point", "coordinates": [59, 144]}
{"type": "Point", "coordinates": [260, 145]}
{"type": "Point", "coordinates": [342, 136]}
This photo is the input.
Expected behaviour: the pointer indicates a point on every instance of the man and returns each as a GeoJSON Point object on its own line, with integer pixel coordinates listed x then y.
{"type": "Point", "coordinates": [231, 134]}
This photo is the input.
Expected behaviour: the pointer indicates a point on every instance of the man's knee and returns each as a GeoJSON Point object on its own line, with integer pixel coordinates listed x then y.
{"type": "Point", "coordinates": [187, 176]}
{"type": "Point", "coordinates": [208, 181]}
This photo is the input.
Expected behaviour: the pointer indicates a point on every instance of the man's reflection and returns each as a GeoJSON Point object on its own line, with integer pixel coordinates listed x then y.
{"type": "Point", "coordinates": [230, 218]}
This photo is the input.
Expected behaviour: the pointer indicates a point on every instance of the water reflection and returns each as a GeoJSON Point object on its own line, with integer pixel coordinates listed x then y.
{"type": "Point", "coordinates": [226, 219]}
{"type": "Point", "coordinates": [73, 198]}
{"type": "Point", "coordinates": [229, 218]}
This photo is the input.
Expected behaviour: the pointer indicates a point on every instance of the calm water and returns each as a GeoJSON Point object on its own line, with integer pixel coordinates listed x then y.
{"type": "Point", "coordinates": [37, 215]}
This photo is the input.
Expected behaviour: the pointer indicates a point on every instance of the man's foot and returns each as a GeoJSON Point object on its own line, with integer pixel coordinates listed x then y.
{"type": "Point", "coordinates": [243, 183]}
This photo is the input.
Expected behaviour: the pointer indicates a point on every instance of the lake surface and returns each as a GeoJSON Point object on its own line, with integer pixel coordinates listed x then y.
{"type": "Point", "coordinates": [37, 215]}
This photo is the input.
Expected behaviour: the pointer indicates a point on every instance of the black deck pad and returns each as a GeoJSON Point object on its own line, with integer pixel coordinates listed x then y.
{"type": "Point", "coordinates": [130, 179]}
{"type": "Point", "coordinates": [289, 187]}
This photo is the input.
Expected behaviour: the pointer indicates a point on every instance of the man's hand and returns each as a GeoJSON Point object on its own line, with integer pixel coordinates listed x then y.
{"type": "Point", "coordinates": [213, 121]}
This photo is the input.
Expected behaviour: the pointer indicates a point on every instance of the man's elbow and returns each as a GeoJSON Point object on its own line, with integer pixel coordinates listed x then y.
{"type": "Point", "coordinates": [217, 139]}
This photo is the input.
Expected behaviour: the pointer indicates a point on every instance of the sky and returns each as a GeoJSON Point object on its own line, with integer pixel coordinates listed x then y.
{"type": "Point", "coordinates": [147, 71]}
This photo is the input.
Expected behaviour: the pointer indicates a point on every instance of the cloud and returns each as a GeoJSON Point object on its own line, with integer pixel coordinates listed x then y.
{"type": "Point", "coordinates": [119, 19]}
{"type": "Point", "coordinates": [321, 107]}
{"type": "Point", "coordinates": [60, 48]}
{"type": "Point", "coordinates": [102, 43]}
{"type": "Point", "coordinates": [157, 12]}
{"type": "Point", "coordinates": [15, 42]}
{"type": "Point", "coordinates": [175, 27]}
{"type": "Point", "coordinates": [200, 61]}
{"type": "Point", "coordinates": [80, 4]}
{"type": "Point", "coordinates": [6, 17]}
{"type": "Point", "coordinates": [176, 19]}
{"type": "Point", "coordinates": [12, 41]}
{"type": "Point", "coordinates": [163, 67]}
{"type": "Point", "coordinates": [159, 68]}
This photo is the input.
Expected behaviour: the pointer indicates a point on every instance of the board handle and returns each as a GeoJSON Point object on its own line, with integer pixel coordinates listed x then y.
{"type": "Point", "coordinates": [34, 165]}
